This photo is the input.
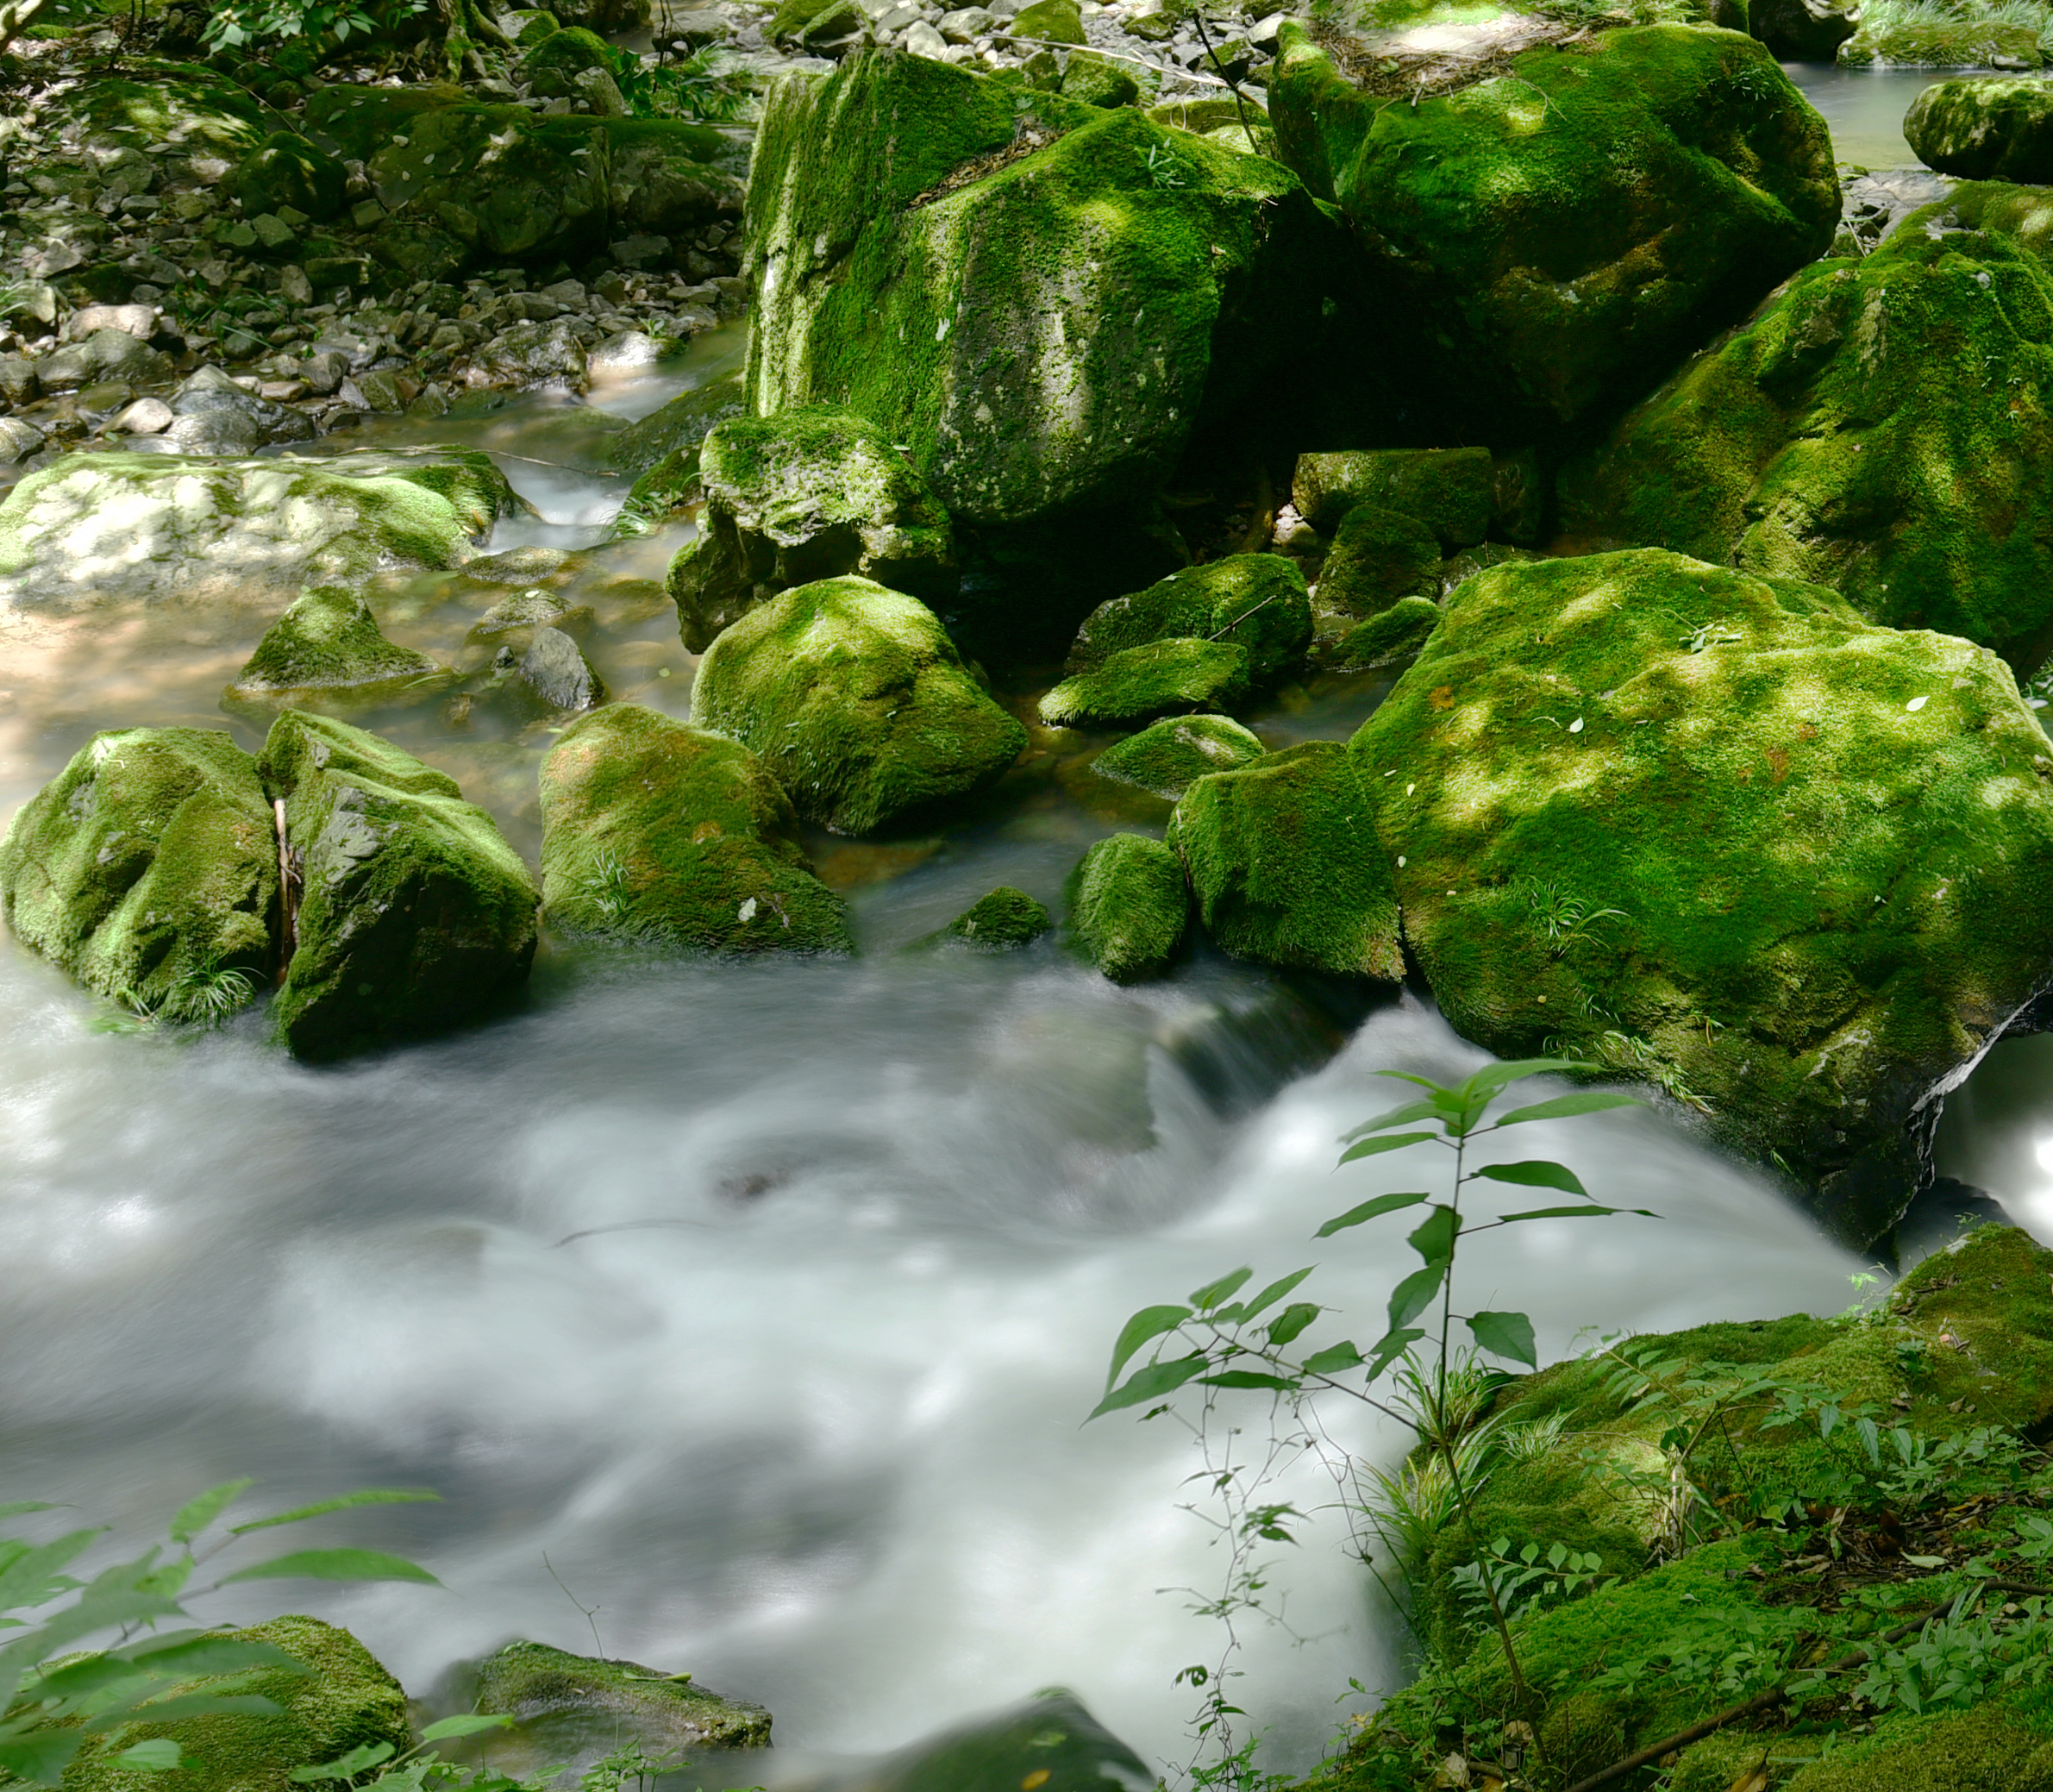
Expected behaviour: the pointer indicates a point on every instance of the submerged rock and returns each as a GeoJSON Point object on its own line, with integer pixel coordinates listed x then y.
{"type": "Point", "coordinates": [329, 640]}
{"type": "Point", "coordinates": [1170, 756]}
{"type": "Point", "coordinates": [1717, 833]}
{"type": "Point", "coordinates": [1997, 128]}
{"type": "Point", "coordinates": [1256, 602]}
{"type": "Point", "coordinates": [531, 1680]}
{"type": "Point", "coordinates": [1137, 683]}
{"type": "Point", "coordinates": [414, 913]}
{"type": "Point", "coordinates": [857, 701]}
{"type": "Point", "coordinates": [1128, 906]}
{"type": "Point", "coordinates": [653, 829]}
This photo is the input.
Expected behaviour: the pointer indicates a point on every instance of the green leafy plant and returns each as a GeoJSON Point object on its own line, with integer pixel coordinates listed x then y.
{"type": "Point", "coordinates": [711, 85]}
{"type": "Point", "coordinates": [240, 22]}
{"type": "Point", "coordinates": [203, 997]}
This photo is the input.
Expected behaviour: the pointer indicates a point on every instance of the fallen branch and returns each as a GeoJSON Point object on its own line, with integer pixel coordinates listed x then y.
{"type": "Point", "coordinates": [288, 886]}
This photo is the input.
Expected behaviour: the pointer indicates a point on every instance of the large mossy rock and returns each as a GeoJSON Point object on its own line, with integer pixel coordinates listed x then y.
{"type": "Point", "coordinates": [653, 829]}
{"type": "Point", "coordinates": [1997, 127]}
{"type": "Point", "coordinates": [95, 527]}
{"type": "Point", "coordinates": [856, 699]}
{"type": "Point", "coordinates": [1880, 426]}
{"type": "Point", "coordinates": [1545, 246]}
{"type": "Point", "coordinates": [1049, 305]}
{"type": "Point", "coordinates": [196, 123]}
{"type": "Point", "coordinates": [1171, 754]}
{"type": "Point", "coordinates": [1928, 38]}
{"type": "Point", "coordinates": [1051, 1734]}
{"type": "Point", "coordinates": [286, 169]}
{"type": "Point", "coordinates": [148, 864]}
{"type": "Point", "coordinates": [1450, 490]}
{"type": "Point", "coordinates": [1128, 906]}
{"type": "Point", "coordinates": [813, 493]}
{"type": "Point", "coordinates": [1284, 859]}
{"type": "Point", "coordinates": [531, 1680]}
{"type": "Point", "coordinates": [1256, 602]}
{"type": "Point", "coordinates": [414, 914]}
{"type": "Point", "coordinates": [1715, 832]}
{"type": "Point", "coordinates": [1167, 677]}
{"type": "Point", "coordinates": [329, 640]}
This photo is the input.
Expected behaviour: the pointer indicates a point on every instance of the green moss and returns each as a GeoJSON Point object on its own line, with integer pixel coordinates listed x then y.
{"type": "Point", "coordinates": [1929, 42]}
{"type": "Point", "coordinates": [1804, 823]}
{"type": "Point", "coordinates": [858, 703]}
{"type": "Point", "coordinates": [1050, 21]}
{"type": "Point", "coordinates": [149, 860]}
{"type": "Point", "coordinates": [1181, 672]}
{"type": "Point", "coordinates": [1447, 490]}
{"type": "Point", "coordinates": [327, 640]}
{"type": "Point", "coordinates": [286, 169]}
{"type": "Point", "coordinates": [1171, 754]}
{"type": "Point", "coordinates": [1000, 922]}
{"type": "Point", "coordinates": [1128, 906]}
{"type": "Point", "coordinates": [1387, 637]}
{"type": "Point", "coordinates": [1095, 80]}
{"type": "Point", "coordinates": [352, 120]}
{"type": "Point", "coordinates": [1942, 1751]}
{"type": "Point", "coordinates": [549, 64]}
{"type": "Point", "coordinates": [1284, 859]}
{"type": "Point", "coordinates": [531, 1680]}
{"type": "Point", "coordinates": [681, 423]}
{"type": "Point", "coordinates": [1255, 601]}
{"type": "Point", "coordinates": [414, 914]}
{"type": "Point", "coordinates": [172, 102]}
{"type": "Point", "coordinates": [1378, 558]}
{"type": "Point", "coordinates": [1984, 128]}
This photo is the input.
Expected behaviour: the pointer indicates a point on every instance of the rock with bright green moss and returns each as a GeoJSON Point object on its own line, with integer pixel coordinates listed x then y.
{"type": "Point", "coordinates": [682, 424]}
{"type": "Point", "coordinates": [149, 863]}
{"type": "Point", "coordinates": [653, 829]}
{"type": "Point", "coordinates": [1547, 244]}
{"type": "Point", "coordinates": [1834, 438]}
{"type": "Point", "coordinates": [1987, 128]}
{"type": "Point", "coordinates": [1159, 678]}
{"type": "Point", "coordinates": [1929, 39]}
{"type": "Point", "coordinates": [179, 112]}
{"type": "Point", "coordinates": [329, 640]}
{"type": "Point", "coordinates": [857, 701]}
{"type": "Point", "coordinates": [1379, 557]}
{"type": "Point", "coordinates": [1001, 921]}
{"type": "Point", "coordinates": [414, 914]}
{"type": "Point", "coordinates": [1255, 601]}
{"type": "Point", "coordinates": [1283, 858]}
{"type": "Point", "coordinates": [1050, 306]}
{"type": "Point", "coordinates": [531, 1680]}
{"type": "Point", "coordinates": [1170, 756]}
{"type": "Point", "coordinates": [812, 493]}
{"type": "Point", "coordinates": [1047, 21]}
{"type": "Point", "coordinates": [1717, 833]}
{"type": "Point", "coordinates": [345, 1701]}
{"type": "Point", "coordinates": [1095, 80]}
{"type": "Point", "coordinates": [94, 526]}
{"type": "Point", "coordinates": [1450, 491]}
{"type": "Point", "coordinates": [1387, 638]}
{"type": "Point", "coordinates": [550, 65]}
{"type": "Point", "coordinates": [1130, 908]}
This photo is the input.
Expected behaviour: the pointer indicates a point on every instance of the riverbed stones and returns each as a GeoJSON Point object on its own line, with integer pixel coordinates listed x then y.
{"type": "Point", "coordinates": [857, 701]}
{"type": "Point", "coordinates": [1834, 437]}
{"type": "Point", "coordinates": [1171, 754]}
{"type": "Point", "coordinates": [1256, 602]}
{"type": "Point", "coordinates": [1128, 906]}
{"type": "Point", "coordinates": [1717, 833]}
{"type": "Point", "coordinates": [329, 640]}
{"type": "Point", "coordinates": [1544, 245]}
{"type": "Point", "coordinates": [414, 914]}
{"type": "Point", "coordinates": [656, 831]}
{"type": "Point", "coordinates": [1137, 683]}
{"type": "Point", "coordinates": [531, 1680]}
{"type": "Point", "coordinates": [147, 867]}
{"type": "Point", "coordinates": [812, 493]}
{"type": "Point", "coordinates": [1283, 858]}
{"type": "Point", "coordinates": [1990, 128]}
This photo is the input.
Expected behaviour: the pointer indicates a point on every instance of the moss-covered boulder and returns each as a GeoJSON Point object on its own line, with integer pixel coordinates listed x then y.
{"type": "Point", "coordinates": [194, 123]}
{"type": "Point", "coordinates": [1802, 30]}
{"type": "Point", "coordinates": [1128, 906]}
{"type": "Point", "coordinates": [1001, 921]}
{"type": "Point", "coordinates": [413, 913]}
{"type": "Point", "coordinates": [1169, 756]}
{"type": "Point", "coordinates": [1378, 557]}
{"type": "Point", "coordinates": [681, 424]}
{"type": "Point", "coordinates": [857, 701]}
{"type": "Point", "coordinates": [1542, 246]}
{"type": "Point", "coordinates": [286, 169]}
{"type": "Point", "coordinates": [1051, 1733]}
{"type": "Point", "coordinates": [1387, 637]}
{"type": "Point", "coordinates": [1997, 128]}
{"type": "Point", "coordinates": [329, 640]}
{"type": "Point", "coordinates": [1929, 38]}
{"type": "Point", "coordinates": [1834, 437]}
{"type": "Point", "coordinates": [550, 64]}
{"type": "Point", "coordinates": [1049, 305]}
{"type": "Point", "coordinates": [93, 527]}
{"type": "Point", "coordinates": [808, 494]}
{"type": "Point", "coordinates": [1136, 684]}
{"type": "Point", "coordinates": [148, 865]}
{"type": "Point", "coordinates": [1284, 859]}
{"type": "Point", "coordinates": [1715, 832]}
{"type": "Point", "coordinates": [1450, 491]}
{"type": "Point", "coordinates": [531, 1680]}
{"type": "Point", "coordinates": [1256, 602]}
{"type": "Point", "coordinates": [652, 829]}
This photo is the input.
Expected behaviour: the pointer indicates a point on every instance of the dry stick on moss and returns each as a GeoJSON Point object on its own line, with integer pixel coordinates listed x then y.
{"type": "Point", "coordinates": [1776, 1693]}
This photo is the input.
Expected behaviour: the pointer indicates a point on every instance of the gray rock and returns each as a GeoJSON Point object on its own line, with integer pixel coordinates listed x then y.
{"type": "Point", "coordinates": [214, 433]}
{"type": "Point", "coordinates": [105, 355]}
{"type": "Point", "coordinates": [1804, 31]}
{"type": "Point", "coordinates": [923, 39]}
{"type": "Point", "coordinates": [325, 371]}
{"type": "Point", "coordinates": [556, 670]}
{"type": "Point", "coordinates": [18, 440]}
{"type": "Point", "coordinates": [965, 25]}
{"type": "Point", "coordinates": [531, 354]}
{"type": "Point", "coordinates": [146, 417]}
{"type": "Point", "coordinates": [210, 395]}
{"type": "Point", "coordinates": [138, 321]}
{"type": "Point", "coordinates": [19, 382]}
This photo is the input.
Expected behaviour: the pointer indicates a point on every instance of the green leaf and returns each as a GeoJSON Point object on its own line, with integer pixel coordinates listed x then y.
{"type": "Point", "coordinates": [1246, 1378]}
{"type": "Point", "coordinates": [1151, 1322]}
{"type": "Point", "coordinates": [1395, 1117]}
{"type": "Point", "coordinates": [1150, 1381]}
{"type": "Point", "coordinates": [41, 1757]}
{"type": "Point", "coordinates": [16, 1508]}
{"type": "Point", "coordinates": [1562, 1107]}
{"type": "Point", "coordinates": [1390, 1347]}
{"type": "Point", "coordinates": [334, 1565]}
{"type": "Point", "coordinates": [1213, 1293]}
{"type": "Point", "coordinates": [1415, 1294]}
{"type": "Point", "coordinates": [364, 1755]}
{"type": "Point", "coordinates": [31, 1579]}
{"type": "Point", "coordinates": [208, 1652]}
{"type": "Point", "coordinates": [1506, 1334]}
{"type": "Point", "coordinates": [1333, 1359]}
{"type": "Point", "coordinates": [1291, 1321]}
{"type": "Point", "coordinates": [448, 1726]}
{"type": "Point", "coordinates": [1275, 1291]}
{"type": "Point", "coordinates": [157, 1755]}
{"type": "Point", "coordinates": [1536, 1172]}
{"type": "Point", "coordinates": [1388, 1142]}
{"type": "Point", "coordinates": [341, 1502]}
{"type": "Point", "coordinates": [1492, 1079]}
{"type": "Point", "coordinates": [1589, 1212]}
{"type": "Point", "coordinates": [1433, 1238]}
{"type": "Point", "coordinates": [178, 1709]}
{"type": "Point", "coordinates": [196, 1514]}
{"type": "Point", "coordinates": [1370, 1210]}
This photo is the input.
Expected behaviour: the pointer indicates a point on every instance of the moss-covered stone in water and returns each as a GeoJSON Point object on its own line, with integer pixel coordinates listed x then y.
{"type": "Point", "coordinates": [1546, 244]}
{"type": "Point", "coordinates": [150, 860]}
{"type": "Point", "coordinates": [808, 494]}
{"type": "Point", "coordinates": [1378, 557]}
{"type": "Point", "coordinates": [1997, 127]}
{"type": "Point", "coordinates": [683, 422]}
{"type": "Point", "coordinates": [531, 1680]}
{"type": "Point", "coordinates": [1050, 21]}
{"type": "Point", "coordinates": [346, 1702]}
{"type": "Point", "coordinates": [857, 701]}
{"type": "Point", "coordinates": [1924, 41]}
{"type": "Point", "coordinates": [1171, 754]}
{"type": "Point", "coordinates": [651, 829]}
{"type": "Point", "coordinates": [1255, 601]}
{"type": "Point", "coordinates": [1160, 678]}
{"type": "Point", "coordinates": [1450, 491]}
{"type": "Point", "coordinates": [1128, 906]}
{"type": "Point", "coordinates": [1387, 637]}
{"type": "Point", "coordinates": [1001, 921]}
{"type": "Point", "coordinates": [1833, 438]}
{"type": "Point", "coordinates": [415, 914]}
{"type": "Point", "coordinates": [1828, 848]}
{"type": "Point", "coordinates": [1051, 1733]}
{"type": "Point", "coordinates": [1285, 865]}
{"type": "Point", "coordinates": [329, 640]}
